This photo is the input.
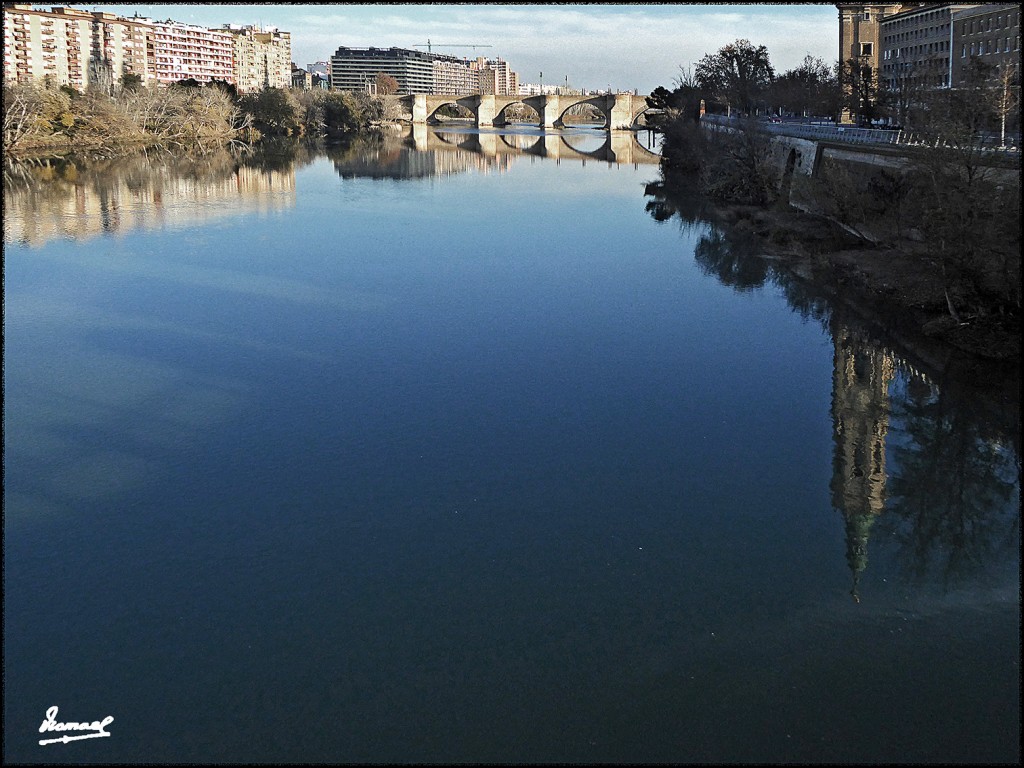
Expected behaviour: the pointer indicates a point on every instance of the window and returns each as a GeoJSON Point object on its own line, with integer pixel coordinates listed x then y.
{"type": "Point", "coordinates": [866, 49]}
{"type": "Point", "coordinates": [963, 51]}
{"type": "Point", "coordinates": [865, 17]}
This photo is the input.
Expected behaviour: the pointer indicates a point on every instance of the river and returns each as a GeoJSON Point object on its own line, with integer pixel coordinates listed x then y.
{"type": "Point", "coordinates": [471, 446]}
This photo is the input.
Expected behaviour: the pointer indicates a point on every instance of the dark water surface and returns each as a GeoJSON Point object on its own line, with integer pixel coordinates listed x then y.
{"type": "Point", "coordinates": [417, 452]}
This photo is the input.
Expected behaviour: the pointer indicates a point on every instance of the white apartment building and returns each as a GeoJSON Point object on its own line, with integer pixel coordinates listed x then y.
{"type": "Point", "coordinates": [454, 75]}
{"type": "Point", "coordinates": [183, 51]}
{"type": "Point", "coordinates": [50, 45]}
{"type": "Point", "coordinates": [68, 46]}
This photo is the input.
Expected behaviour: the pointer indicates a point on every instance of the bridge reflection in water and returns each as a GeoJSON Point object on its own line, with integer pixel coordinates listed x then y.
{"type": "Point", "coordinates": [617, 147]}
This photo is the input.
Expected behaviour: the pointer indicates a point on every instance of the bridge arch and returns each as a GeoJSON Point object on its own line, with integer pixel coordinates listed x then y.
{"type": "Point", "coordinates": [434, 104]}
{"type": "Point", "coordinates": [500, 118]}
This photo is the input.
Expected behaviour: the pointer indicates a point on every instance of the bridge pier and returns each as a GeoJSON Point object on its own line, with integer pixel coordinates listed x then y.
{"type": "Point", "coordinates": [485, 111]}
{"type": "Point", "coordinates": [620, 112]}
{"type": "Point", "coordinates": [550, 112]}
{"type": "Point", "coordinates": [419, 108]}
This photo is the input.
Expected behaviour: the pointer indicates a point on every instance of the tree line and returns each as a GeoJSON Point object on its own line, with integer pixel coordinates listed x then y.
{"type": "Point", "coordinates": [185, 115]}
{"type": "Point", "coordinates": [739, 79]}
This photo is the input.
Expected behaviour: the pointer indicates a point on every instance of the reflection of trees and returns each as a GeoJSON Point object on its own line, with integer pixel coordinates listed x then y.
{"type": "Point", "coordinates": [934, 468]}
{"type": "Point", "coordinates": [669, 200]}
{"type": "Point", "coordinates": [728, 259]}
{"type": "Point", "coordinates": [719, 252]}
{"type": "Point", "coordinates": [954, 504]}
{"type": "Point", "coordinates": [80, 196]}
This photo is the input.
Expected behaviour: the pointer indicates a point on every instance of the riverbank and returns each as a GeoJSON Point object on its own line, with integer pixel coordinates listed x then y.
{"type": "Point", "coordinates": [903, 279]}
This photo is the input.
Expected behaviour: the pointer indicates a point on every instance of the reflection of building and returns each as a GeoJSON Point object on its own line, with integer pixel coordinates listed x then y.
{"type": "Point", "coordinates": [861, 376]}
{"type": "Point", "coordinates": [118, 202]}
{"type": "Point", "coordinates": [262, 57]}
{"type": "Point", "coordinates": [397, 160]}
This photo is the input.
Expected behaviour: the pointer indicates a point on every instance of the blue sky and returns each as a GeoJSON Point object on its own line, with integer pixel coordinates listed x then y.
{"type": "Point", "coordinates": [596, 45]}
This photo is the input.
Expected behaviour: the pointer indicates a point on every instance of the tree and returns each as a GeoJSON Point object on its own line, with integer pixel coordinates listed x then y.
{"type": "Point", "coordinates": [901, 96]}
{"type": "Point", "coordinates": [386, 84]}
{"type": "Point", "coordinates": [273, 111]}
{"type": "Point", "coordinates": [861, 89]}
{"type": "Point", "coordinates": [130, 81]}
{"type": "Point", "coordinates": [1007, 97]}
{"type": "Point", "coordinates": [812, 88]}
{"type": "Point", "coordinates": [970, 213]}
{"type": "Point", "coordinates": [737, 75]}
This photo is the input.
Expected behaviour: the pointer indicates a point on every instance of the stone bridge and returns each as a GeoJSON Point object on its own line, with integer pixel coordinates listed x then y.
{"type": "Point", "coordinates": [620, 110]}
{"type": "Point", "coordinates": [618, 146]}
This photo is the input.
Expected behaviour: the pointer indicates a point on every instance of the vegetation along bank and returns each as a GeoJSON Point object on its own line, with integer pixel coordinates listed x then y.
{"type": "Point", "coordinates": [184, 116]}
{"type": "Point", "coordinates": [935, 233]}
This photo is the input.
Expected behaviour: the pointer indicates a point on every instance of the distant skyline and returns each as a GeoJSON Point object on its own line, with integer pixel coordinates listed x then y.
{"type": "Point", "coordinates": [624, 46]}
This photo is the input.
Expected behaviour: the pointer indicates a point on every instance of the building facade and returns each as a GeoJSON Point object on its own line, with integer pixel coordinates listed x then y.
{"type": "Point", "coordinates": [262, 58]}
{"type": "Point", "coordinates": [187, 51]}
{"type": "Point", "coordinates": [454, 75]}
{"type": "Point", "coordinates": [355, 69]}
{"type": "Point", "coordinates": [860, 31]}
{"type": "Point", "coordinates": [496, 77]}
{"type": "Point", "coordinates": [990, 33]}
{"type": "Point", "coordinates": [121, 46]}
{"type": "Point", "coordinates": [68, 46]}
{"type": "Point", "coordinates": [47, 46]}
{"type": "Point", "coordinates": [916, 47]}
{"type": "Point", "coordinates": [931, 46]}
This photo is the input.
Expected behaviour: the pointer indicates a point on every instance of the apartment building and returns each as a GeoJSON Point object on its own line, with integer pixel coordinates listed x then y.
{"type": "Point", "coordinates": [53, 45]}
{"type": "Point", "coordinates": [454, 75]}
{"type": "Point", "coordinates": [990, 33]}
{"type": "Point", "coordinates": [121, 46]}
{"type": "Point", "coordinates": [68, 46]}
{"type": "Point", "coordinates": [262, 58]}
{"type": "Point", "coordinates": [496, 77]}
{"type": "Point", "coordinates": [355, 69]}
{"type": "Point", "coordinates": [187, 51]}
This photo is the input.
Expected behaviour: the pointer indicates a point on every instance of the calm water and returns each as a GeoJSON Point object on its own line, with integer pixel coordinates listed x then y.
{"type": "Point", "coordinates": [478, 448]}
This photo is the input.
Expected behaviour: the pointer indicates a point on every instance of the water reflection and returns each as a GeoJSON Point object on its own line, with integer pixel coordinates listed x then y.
{"type": "Point", "coordinates": [79, 198]}
{"type": "Point", "coordinates": [920, 457]}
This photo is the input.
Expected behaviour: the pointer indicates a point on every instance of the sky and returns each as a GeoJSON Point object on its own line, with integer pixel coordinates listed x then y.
{"type": "Point", "coordinates": [587, 45]}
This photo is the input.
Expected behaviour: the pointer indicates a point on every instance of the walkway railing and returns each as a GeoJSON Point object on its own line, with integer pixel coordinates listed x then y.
{"type": "Point", "coordinates": [851, 135]}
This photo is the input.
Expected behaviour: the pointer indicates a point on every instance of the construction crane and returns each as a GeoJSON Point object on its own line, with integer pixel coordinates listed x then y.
{"type": "Point", "coordinates": [428, 45]}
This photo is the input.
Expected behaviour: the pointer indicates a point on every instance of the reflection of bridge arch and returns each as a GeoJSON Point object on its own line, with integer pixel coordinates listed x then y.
{"type": "Point", "coordinates": [618, 146]}
{"type": "Point", "coordinates": [621, 110]}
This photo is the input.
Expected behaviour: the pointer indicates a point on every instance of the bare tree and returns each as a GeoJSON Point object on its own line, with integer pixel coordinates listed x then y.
{"type": "Point", "coordinates": [1007, 97]}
